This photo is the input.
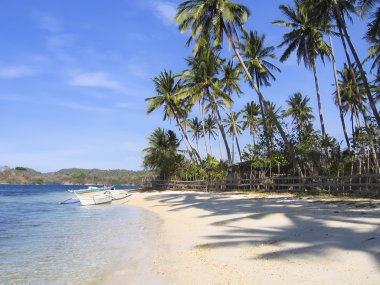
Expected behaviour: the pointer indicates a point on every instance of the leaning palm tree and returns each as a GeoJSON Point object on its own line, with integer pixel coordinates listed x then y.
{"type": "Point", "coordinates": [306, 39]}
{"type": "Point", "coordinates": [324, 11]}
{"type": "Point", "coordinates": [250, 113]}
{"type": "Point", "coordinates": [167, 89]}
{"type": "Point", "coordinates": [299, 110]}
{"type": "Point", "coordinates": [209, 21]}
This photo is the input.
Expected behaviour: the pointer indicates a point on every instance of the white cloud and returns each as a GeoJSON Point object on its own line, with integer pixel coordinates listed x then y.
{"type": "Point", "coordinates": [16, 71]}
{"type": "Point", "coordinates": [165, 11]}
{"type": "Point", "coordinates": [123, 105]}
{"type": "Point", "coordinates": [83, 107]}
{"type": "Point", "coordinates": [60, 42]}
{"type": "Point", "coordinates": [47, 22]}
{"type": "Point", "coordinates": [95, 79]}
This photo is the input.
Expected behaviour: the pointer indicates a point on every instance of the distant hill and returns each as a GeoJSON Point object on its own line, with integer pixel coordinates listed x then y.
{"type": "Point", "coordinates": [23, 175]}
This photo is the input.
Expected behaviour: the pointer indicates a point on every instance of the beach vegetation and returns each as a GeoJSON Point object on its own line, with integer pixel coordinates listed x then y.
{"type": "Point", "coordinates": [204, 100]}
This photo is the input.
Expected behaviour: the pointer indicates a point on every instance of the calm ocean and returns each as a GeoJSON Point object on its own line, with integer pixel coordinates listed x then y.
{"type": "Point", "coordinates": [43, 242]}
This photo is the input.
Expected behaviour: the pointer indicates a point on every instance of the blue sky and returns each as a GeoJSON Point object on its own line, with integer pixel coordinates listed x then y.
{"type": "Point", "coordinates": [74, 75]}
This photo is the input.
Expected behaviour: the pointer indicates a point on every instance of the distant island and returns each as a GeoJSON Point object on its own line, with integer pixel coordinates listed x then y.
{"type": "Point", "coordinates": [23, 175]}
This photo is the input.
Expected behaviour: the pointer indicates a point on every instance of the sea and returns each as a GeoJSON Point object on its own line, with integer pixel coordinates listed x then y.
{"type": "Point", "coordinates": [45, 242]}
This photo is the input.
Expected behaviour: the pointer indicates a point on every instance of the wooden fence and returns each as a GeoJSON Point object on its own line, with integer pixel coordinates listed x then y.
{"type": "Point", "coordinates": [366, 185]}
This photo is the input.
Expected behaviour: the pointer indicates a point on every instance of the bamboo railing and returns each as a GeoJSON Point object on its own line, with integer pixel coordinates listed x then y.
{"type": "Point", "coordinates": [365, 185]}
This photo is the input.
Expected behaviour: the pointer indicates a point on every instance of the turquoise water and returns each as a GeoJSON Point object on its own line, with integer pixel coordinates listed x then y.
{"type": "Point", "coordinates": [43, 242]}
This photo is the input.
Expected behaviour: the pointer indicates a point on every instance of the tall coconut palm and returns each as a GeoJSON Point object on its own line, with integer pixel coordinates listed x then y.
{"type": "Point", "coordinates": [234, 129]}
{"type": "Point", "coordinates": [324, 10]}
{"type": "Point", "coordinates": [210, 126]}
{"type": "Point", "coordinates": [250, 113]}
{"type": "Point", "coordinates": [202, 83]}
{"type": "Point", "coordinates": [356, 105]}
{"type": "Point", "coordinates": [350, 101]}
{"type": "Point", "coordinates": [306, 39]}
{"type": "Point", "coordinates": [168, 89]}
{"type": "Point", "coordinates": [299, 110]}
{"type": "Point", "coordinates": [196, 129]}
{"type": "Point", "coordinates": [338, 96]}
{"type": "Point", "coordinates": [257, 57]}
{"type": "Point", "coordinates": [209, 21]}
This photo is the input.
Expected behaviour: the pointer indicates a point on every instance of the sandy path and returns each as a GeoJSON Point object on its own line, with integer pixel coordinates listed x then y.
{"type": "Point", "coordinates": [239, 239]}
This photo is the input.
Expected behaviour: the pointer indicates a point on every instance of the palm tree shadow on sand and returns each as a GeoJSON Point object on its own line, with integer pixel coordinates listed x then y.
{"type": "Point", "coordinates": [297, 226]}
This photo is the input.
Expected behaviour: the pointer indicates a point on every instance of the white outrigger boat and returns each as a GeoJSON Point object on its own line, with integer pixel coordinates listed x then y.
{"type": "Point", "coordinates": [97, 195]}
{"type": "Point", "coordinates": [94, 195]}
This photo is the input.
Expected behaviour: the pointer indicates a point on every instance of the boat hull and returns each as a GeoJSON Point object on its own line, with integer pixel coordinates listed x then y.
{"type": "Point", "coordinates": [94, 200]}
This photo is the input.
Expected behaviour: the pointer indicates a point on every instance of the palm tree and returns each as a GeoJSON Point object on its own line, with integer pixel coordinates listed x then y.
{"type": "Point", "coordinates": [338, 96]}
{"type": "Point", "coordinates": [351, 101]}
{"type": "Point", "coordinates": [257, 57]}
{"type": "Point", "coordinates": [299, 110]}
{"type": "Point", "coordinates": [168, 89]}
{"type": "Point", "coordinates": [210, 126]}
{"type": "Point", "coordinates": [271, 126]}
{"type": "Point", "coordinates": [162, 155]}
{"type": "Point", "coordinates": [324, 11]}
{"type": "Point", "coordinates": [374, 26]}
{"type": "Point", "coordinates": [196, 128]}
{"type": "Point", "coordinates": [208, 21]}
{"type": "Point", "coordinates": [202, 83]}
{"type": "Point", "coordinates": [374, 53]}
{"type": "Point", "coordinates": [234, 129]}
{"type": "Point", "coordinates": [250, 118]}
{"type": "Point", "coordinates": [307, 40]}
{"type": "Point", "coordinates": [373, 33]}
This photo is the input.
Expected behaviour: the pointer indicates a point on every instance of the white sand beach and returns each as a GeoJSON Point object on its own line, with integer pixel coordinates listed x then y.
{"type": "Point", "coordinates": [206, 238]}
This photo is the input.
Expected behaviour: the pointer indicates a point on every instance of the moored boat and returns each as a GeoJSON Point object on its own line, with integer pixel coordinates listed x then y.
{"type": "Point", "coordinates": [102, 198]}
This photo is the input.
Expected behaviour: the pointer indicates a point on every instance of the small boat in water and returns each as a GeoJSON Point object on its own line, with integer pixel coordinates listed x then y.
{"type": "Point", "coordinates": [86, 200]}
{"type": "Point", "coordinates": [98, 195]}
{"type": "Point", "coordinates": [94, 195]}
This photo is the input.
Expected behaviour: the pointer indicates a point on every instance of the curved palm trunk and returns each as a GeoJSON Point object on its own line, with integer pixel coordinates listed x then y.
{"type": "Point", "coordinates": [342, 25]}
{"type": "Point", "coordinates": [269, 111]}
{"type": "Point", "coordinates": [201, 110]}
{"type": "Point", "coordinates": [319, 101]}
{"type": "Point", "coordinates": [338, 95]}
{"type": "Point", "coordinates": [218, 118]}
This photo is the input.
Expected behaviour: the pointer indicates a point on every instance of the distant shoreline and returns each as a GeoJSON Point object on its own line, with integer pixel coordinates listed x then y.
{"type": "Point", "coordinates": [73, 176]}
